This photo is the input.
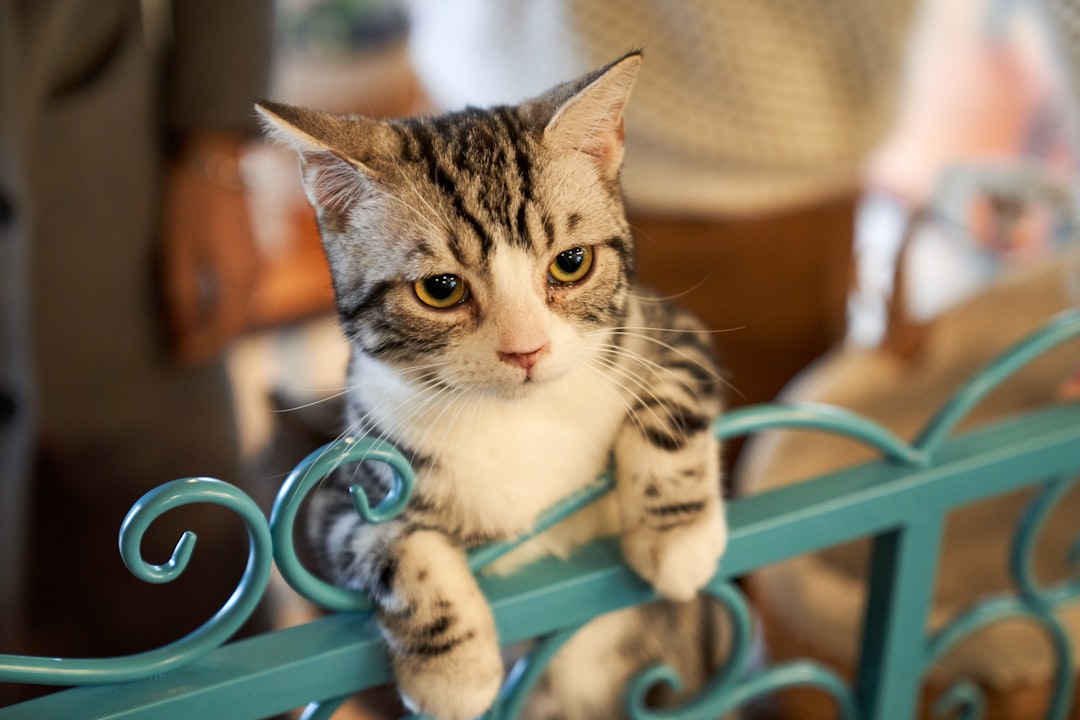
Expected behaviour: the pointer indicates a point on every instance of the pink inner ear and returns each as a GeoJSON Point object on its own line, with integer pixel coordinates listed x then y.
{"type": "Point", "coordinates": [331, 182]}
{"type": "Point", "coordinates": [591, 122]}
{"type": "Point", "coordinates": [606, 145]}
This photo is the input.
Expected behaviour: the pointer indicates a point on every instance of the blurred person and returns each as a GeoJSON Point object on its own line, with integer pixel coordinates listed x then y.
{"type": "Point", "coordinates": [126, 258]}
{"type": "Point", "coordinates": [745, 143]}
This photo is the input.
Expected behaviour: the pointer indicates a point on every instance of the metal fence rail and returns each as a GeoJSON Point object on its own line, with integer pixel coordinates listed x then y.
{"type": "Point", "coordinates": [900, 501]}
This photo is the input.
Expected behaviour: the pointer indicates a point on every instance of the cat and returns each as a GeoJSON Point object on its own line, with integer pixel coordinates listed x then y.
{"type": "Point", "coordinates": [483, 271]}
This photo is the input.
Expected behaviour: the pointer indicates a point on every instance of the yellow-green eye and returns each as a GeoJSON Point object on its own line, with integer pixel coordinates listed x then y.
{"type": "Point", "coordinates": [440, 291]}
{"type": "Point", "coordinates": [571, 265]}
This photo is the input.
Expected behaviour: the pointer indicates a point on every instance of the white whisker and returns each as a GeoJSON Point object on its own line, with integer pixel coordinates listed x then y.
{"type": "Point", "coordinates": [687, 331]}
{"type": "Point", "coordinates": [614, 368]}
{"type": "Point", "coordinates": [313, 403]}
{"type": "Point", "coordinates": [677, 296]}
{"type": "Point", "coordinates": [680, 378]}
{"type": "Point", "coordinates": [681, 353]}
{"type": "Point", "coordinates": [604, 372]}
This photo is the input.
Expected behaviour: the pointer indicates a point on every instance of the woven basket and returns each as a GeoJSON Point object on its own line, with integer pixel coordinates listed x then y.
{"type": "Point", "coordinates": [811, 606]}
{"type": "Point", "coordinates": [1017, 702]}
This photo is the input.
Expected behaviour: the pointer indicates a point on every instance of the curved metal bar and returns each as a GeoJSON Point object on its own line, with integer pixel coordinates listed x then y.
{"type": "Point", "coordinates": [1064, 327]}
{"type": "Point", "coordinates": [218, 629]}
{"type": "Point", "coordinates": [823, 418]}
{"type": "Point", "coordinates": [305, 477]}
{"type": "Point", "coordinates": [480, 557]}
{"type": "Point", "coordinates": [1022, 552]}
{"type": "Point", "coordinates": [964, 701]}
{"type": "Point", "coordinates": [996, 610]}
{"type": "Point", "coordinates": [798, 673]}
{"type": "Point", "coordinates": [727, 690]}
{"type": "Point", "coordinates": [526, 672]}
{"type": "Point", "coordinates": [705, 703]}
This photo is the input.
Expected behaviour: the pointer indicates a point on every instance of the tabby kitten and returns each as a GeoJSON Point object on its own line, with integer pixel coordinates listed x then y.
{"type": "Point", "coordinates": [482, 265]}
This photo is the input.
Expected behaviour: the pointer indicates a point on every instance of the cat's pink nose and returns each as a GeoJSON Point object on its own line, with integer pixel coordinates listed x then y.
{"type": "Point", "coordinates": [524, 360]}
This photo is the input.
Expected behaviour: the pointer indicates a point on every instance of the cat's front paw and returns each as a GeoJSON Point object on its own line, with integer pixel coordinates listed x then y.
{"type": "Point", "coordinates": [439, 631]}
{"type": "Point", "coordinates": [457, 684]}
{"type": "Point", "coordinates": [446, 658]}
{"type": "Point", "coordinates": [678, 560]}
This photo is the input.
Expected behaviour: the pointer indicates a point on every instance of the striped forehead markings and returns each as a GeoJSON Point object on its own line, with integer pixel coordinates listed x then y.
{"type": "Point", "coordinates": [517, 140]}
{"type": "Point", "coordinates": [493, 147]}
{"type": "Point", "coordinates": [443, 179]}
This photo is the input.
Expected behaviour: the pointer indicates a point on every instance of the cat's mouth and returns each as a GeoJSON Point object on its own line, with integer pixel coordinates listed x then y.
{"type": "Point", "coordinates": [519, 387]}
{"type": "Point", "coordinates": [524, 383]}
{"type": "Point", "coordinates": [510, 378]}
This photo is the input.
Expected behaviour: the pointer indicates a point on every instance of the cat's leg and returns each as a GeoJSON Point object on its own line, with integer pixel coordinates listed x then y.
{"type": "Point", "coordinates": [438, 627]}
{"type": "Point", "coordinates": [589, 676]}
{"type": "Point", "coordinates": [669, 493]}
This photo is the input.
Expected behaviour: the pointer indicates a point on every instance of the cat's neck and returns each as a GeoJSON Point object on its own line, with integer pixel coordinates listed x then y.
{"type": "Point", "coordinates": [500, 462]}
{"type": "Point", "coordinates": [409, 409]}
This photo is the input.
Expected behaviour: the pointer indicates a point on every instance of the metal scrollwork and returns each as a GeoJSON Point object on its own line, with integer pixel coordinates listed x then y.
{"type": "Point", "coordinates": [733, 686]}
{"type": "Point", "coordinates": [228, 619]}
{"type": "Point", "coordinates": [1034, 602]}
{"type": "Point", "coordinates": [968, 697]}
{"type": "Point", "coordinates": [730, 689]}
{"type": "Point", "coordinates": [1062, 328]}
{"type": "Point", "coordinates": [302, 480]}
{"type": "Point", "coordinates": [820, 418]}
{"type": "Point", "coordinates": [963, 701]}
{"type": "Point", "coordinates": [526, 672]}
{"type": "Point", "coordinates": [1022, 552]}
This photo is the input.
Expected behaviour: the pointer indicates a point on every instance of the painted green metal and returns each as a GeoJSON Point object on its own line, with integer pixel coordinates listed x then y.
{"type": "Point", "coordinates": [822, 418]}
{"type": "Point", "coordinates": [1062, 328]}
{"type": "Point", "coordinates": [217, 630]}
{"type": "Point", "coordinates": [302, 480]}
{"type": "Point", "coordinates": [903, 561]}
{"type": "Point", "coordinates": [727, 690]}
{"type": "Point", "coordinates": [900, 501]}
{"type": "Point", "coordinates": [1021, 557]}
{"type": "Point", "coordinates": [526, 672]}
{"type": "Point", "coordinates": [966, 696]}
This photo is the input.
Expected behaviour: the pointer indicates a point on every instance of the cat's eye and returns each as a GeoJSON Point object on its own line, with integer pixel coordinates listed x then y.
{"type": "Point", "coordinates": [571, 265]}
{"type": "Point", "coordinates": [441, 291]}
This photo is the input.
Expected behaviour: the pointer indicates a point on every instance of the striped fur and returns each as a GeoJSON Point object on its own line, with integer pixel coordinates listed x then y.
{"type": "Point", "coordinates": [515, 396]}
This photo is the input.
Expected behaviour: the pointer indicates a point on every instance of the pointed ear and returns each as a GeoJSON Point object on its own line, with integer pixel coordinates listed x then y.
{"type": "Point", "coordinates": [590, 120]}
{"type": "Point", "coordinates": [333, 178]}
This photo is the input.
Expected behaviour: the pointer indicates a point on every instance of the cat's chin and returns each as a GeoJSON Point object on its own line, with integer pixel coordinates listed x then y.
{"type": "Point", "coordinates": [498, 383]}
{"type": "Point", "coordinates": [511, 391]}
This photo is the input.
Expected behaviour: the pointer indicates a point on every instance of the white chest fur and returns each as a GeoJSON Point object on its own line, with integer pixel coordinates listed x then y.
{"type": "Point", "coordinates": [502, 462]}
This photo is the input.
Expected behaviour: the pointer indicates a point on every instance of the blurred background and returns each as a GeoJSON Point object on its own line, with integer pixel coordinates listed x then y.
{"type": "Point", "coordinates": [814, 180]}
{"type": "Point", "coordinates": [834, 188]}
{"type": "Point", "coordinates": [775, 131]}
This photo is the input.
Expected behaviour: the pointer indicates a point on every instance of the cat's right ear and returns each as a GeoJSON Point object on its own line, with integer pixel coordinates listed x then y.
{"type": "Point", "coordinates": [589, 121]}
{"type": "Point", "coordinates": [333, 179]}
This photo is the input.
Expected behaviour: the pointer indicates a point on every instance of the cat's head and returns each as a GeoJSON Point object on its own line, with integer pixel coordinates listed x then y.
{"type": "Point", "coordinates": [488, 247]}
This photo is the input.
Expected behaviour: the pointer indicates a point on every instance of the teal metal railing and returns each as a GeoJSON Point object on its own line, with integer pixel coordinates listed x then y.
{"type": "Point", "coordinates": [900, 501]}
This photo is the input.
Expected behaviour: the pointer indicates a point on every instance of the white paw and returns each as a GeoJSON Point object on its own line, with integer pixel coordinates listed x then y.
{"type": "Point", "coordinates": [461, 685]}
{"type": "Point", "coordinates": [678, 562]}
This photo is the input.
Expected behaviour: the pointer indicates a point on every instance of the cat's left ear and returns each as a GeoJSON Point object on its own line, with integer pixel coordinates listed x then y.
{"type": "Point", "coordinates": [334, 179]}
{"type": "Point", "coordinates": [590, 121]}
